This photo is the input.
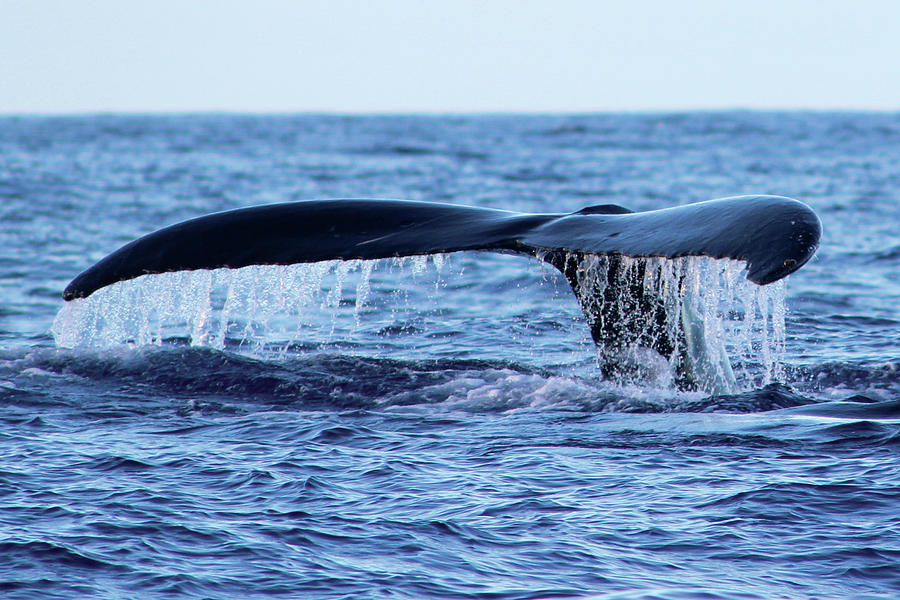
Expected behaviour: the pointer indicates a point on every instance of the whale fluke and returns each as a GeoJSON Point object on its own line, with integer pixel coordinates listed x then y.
{"type": "Point", "coordinates": [774, 235]}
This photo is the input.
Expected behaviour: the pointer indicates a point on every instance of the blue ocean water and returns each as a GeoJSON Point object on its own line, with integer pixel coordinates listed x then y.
{"type": "Point", "coordinates": [436, 429]}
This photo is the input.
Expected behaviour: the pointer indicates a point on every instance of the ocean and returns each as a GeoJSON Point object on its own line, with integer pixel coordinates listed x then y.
{"type": "Point", "coordinates": [439, 427]}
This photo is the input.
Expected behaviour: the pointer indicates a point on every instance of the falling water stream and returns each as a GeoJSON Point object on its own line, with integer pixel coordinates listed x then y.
{"type": "Point", "coordinates": [733, 327]}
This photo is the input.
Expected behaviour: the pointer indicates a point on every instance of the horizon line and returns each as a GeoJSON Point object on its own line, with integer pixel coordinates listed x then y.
{"type": "Point", "coordinates": [438, 112]}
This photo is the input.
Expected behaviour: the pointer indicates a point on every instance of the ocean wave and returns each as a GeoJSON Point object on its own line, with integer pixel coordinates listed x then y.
{"type": "Point", "coordinates": [223, 381]}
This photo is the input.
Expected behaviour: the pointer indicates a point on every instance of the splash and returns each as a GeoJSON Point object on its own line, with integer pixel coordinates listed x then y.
{"type": "Point", "coordinates": [695, 322]}
{"type": "Point", "coordinates": [258, 308]}
{"type": "Point", "coordinates": [699, 311]}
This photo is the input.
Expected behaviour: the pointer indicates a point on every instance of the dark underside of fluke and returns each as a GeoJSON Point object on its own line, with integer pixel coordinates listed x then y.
{"type": "Point", "coordinates": [774, 235]}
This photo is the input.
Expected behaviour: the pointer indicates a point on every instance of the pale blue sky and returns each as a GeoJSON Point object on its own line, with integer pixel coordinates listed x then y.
{"type": "Point", "coordinates": [451, 56]}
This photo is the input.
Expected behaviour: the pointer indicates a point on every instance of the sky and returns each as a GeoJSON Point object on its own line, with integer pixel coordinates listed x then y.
{"type": "Point", "coordinates": [64, 56]}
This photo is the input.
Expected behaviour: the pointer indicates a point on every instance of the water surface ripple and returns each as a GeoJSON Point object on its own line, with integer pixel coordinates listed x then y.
{"type": "Point", "coordinates": [451, 436]}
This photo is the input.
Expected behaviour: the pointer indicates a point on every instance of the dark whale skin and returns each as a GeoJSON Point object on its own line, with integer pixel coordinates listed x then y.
{"type": "Point", "coordinates": [773, 234]}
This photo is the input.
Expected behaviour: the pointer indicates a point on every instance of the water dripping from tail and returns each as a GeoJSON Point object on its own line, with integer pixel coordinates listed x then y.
{"type": "Point", "coordinates": [694, 323]}
{"type": "Point", "coordinates": [263, 310]}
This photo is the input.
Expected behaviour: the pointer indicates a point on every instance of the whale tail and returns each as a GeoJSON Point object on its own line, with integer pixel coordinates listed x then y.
{"type": "Point", "coordinates": [773, 235]}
